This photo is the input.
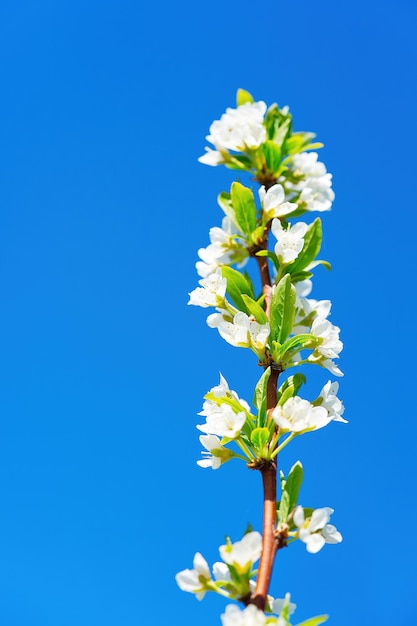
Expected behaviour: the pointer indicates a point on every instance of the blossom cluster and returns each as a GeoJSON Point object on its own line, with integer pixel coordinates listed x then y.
{"type": "Point", "coordinates": [281, 324]}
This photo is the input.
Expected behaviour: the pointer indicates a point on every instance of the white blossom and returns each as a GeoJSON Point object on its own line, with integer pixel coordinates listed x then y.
{"type": "Point", "coordinates": [221, 571]}
{"type": "Point", "coordinates": [243, 332]}
{"type": "Point", "coordinates": [329, 400]}
{"type": "Point", "coordinates": [212, 291]}
{"type": "Point", "coordinates": [299, 416]}
{"type": "Point", "coordinates": [219, 391]}
{"type": "Point", "coordinates": [316, 187]}
{"type": "Point", "coordinates": [216, 454]}
{"type": "Point", "coordinates": [308, 309]}
{"type": "Point", "coordinates": [224, 249]}
{"type": "Point", "coordinates": [289, 241]}
{"type": "Point", "coordinates": [194, 580]}
{"type": "Point", "coordinates": [250, 616]}
{"type": "Point", "coordinates": [242, 554]}
{"type": "Point", "coordinates": [238, 129]}
{"type": "Point", "coordinates": [273, 202]}
{"type": "Point", "coordinates": [278, 604]}
{"type": "Point", "coordinates": [224, 422]}
{"type": "Point", "coordinates": [330, 344]}
{"type": "Point", "coordinates": [315, 531]}
{"type": "Point", "coordinates": [329, 365]}
{"type": "Point", "coordinates": [211, 157]}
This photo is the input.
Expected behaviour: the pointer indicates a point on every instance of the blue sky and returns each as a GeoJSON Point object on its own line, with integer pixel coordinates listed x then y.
{"type": "Point", "coordinates": [103, 114]}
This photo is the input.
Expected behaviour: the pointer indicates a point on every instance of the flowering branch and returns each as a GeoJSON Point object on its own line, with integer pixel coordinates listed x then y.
{"type": "Point", "coordinates": [284, 328]}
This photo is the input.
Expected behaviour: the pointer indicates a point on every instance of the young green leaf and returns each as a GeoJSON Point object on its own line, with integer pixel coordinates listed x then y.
{"type": "Point", "coordinates": [225, 202]}
{"type": "Point", "coordinates": [284, 507]}
{"type": "Point", "coordinates": [236, 286]}
{"type": "Point", "coordinates": [255, 310]}
{"type": "Point", "coordinates": [293, 484]}
{"type": "Point", "coordinates": [272, 154]}
{"type": "Point", "coordinates": [311, 247]}
{"type": "Point", "coordinates": [259, 438]}
{"type": "Point", "coordinates": [314, 621]}
{"type": "Point", "coordinates": [259, 397]}
{"type": "Point", "coordinates": [292, 346]}
{"type": "Point", "coordinates": [282, 309]}
{"type": "Point", "coordinates": [243, 96]}
{"type": "Point", "coordinates": [244, 207]}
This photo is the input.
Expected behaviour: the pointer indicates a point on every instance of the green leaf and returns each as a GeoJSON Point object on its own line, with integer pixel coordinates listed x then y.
{"type": "Point", "coordinates": [243, 96]}
{"type": "Point", "coordinates": [225, 202]}
{"type": "Point", "coordinates": [272, 154]}
{"type": "Point", "coordinates": [314, 264]}
{"type": "Point", "coordinates": [260, 437]}
{"type": "Point", "coordinates": [255, 310]}
{"type": "Point", "coordinates": [244, 207]}
{"type": "Point", "coordinates": [282, 309]}
{"type": "Point", "coordinates": [290, 387]}
{"type": "Point", "coordinates": [259, 397]}
{"type": "Point", "coordinates": [239, 162]}
{"type": "Point", "coordinates": [314, 621]}
{"type": "Point", "coordinates": [236, 286]}
{"type": "Point", "coordinates": [293, 484]}
{"type": "Point", "coordinates": [271, 256]}
{"type": "Point", "coordinates": [292, 346]}
{"type": "Point", "coordinates": [284, 507]}
{"type": "Point", "coordinates": [311, 247]}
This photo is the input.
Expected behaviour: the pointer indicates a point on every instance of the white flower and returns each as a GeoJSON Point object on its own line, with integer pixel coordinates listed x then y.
{"type": "Point", "coordinates": [328, 364]}
{"type": "Point", "coordinates": [211, 157]}
{"type": "Point", "coordinates": [212, 291]}
{"type": "Point", "coordinates": [289, 242]}
{"type": "Point", "coordinates": [220, 391]}
{"type": "Point", "coordinates": [243, 553]}
{"type": "Point", "coordinates": [194, 580]}
{"type": "Point", "coordinates": [315, 531]}
{"type": "Point", "coordinates": [306, 309]}
{"type": "Point", "coordinates": [216, 454]}
{"type": "Point", "coordinates": [316, 188]}
{"type": "Point", "coordinates": [299, 416]}
{"type": "Point", "coordinates": [330, 344]}
{"type": "Point", "coordinates": [331, 402]}
{"type": "Point", "coordinates": [278, 605]}
{"type": "Point", "coordinates": [250, 616]}
{"type": "Point", "coordinates": [224, 248]}
{"type": "Point", "coordinates": [238, 129]}
{"type": "Point", "coordinates": [243, 332]}
{"type": "Point", "coordinates": [221, 572]}
{"type": "Point", "coordinates": [273, 202]}
{"type": "Point", "coordinates": [224, 422]}
{"type": "Point", "coordinates": [303, 288]}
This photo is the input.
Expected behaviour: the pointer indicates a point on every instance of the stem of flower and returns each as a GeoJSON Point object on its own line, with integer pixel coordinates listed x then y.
{"type": "Point", "coordinates": [282, 446]}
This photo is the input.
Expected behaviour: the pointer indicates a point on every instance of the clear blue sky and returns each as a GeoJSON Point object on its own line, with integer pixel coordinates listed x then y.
{"type": "Point", "coordinates": [103, 114]}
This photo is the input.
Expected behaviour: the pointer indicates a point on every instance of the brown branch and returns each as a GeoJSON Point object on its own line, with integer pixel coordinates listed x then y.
{"type": "Point", "coordinates": [269, 481]}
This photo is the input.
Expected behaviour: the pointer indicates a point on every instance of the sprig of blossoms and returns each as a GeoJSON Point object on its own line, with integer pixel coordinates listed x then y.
{"type": "Point", "coordinates": [283, 326]}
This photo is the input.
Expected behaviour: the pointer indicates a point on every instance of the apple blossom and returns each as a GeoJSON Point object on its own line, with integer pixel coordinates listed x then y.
{"type": "Point", "coordinates": [225, 248]}
{"type": "Point", "coordinates": [330, 344]}
{"type": "Point", "coordinates": [212, 291]}
{"type": "Point", "coordinates": [250, 616]}
{"type": "Point", "coordinates": [274, 204]}
{"type": "Point", "coordinates": [331, 402]}
{"type": "Point", "coordinates": [316, 186]}
{"type": "Point", "coordinates": [220, 391]}
{"type": "Point", "coordinates": [242, 554]}
{"type": "Point", "coordinates": [238, 129]}
{"type": "Point", "coordinates": [315, 531]}
{"type": "Point", "coordinates": [243, 332]}
{"type": "Point", "coordinates": [299, 416]}
{"type": "Point", "coordinates": [195, 580]}
{"type": "Point", "coordinates": [224, 422]}
{"type": "Point", "coordinates": [216, 454]}
{"type": "Point", "coordinates": [289, 241]}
